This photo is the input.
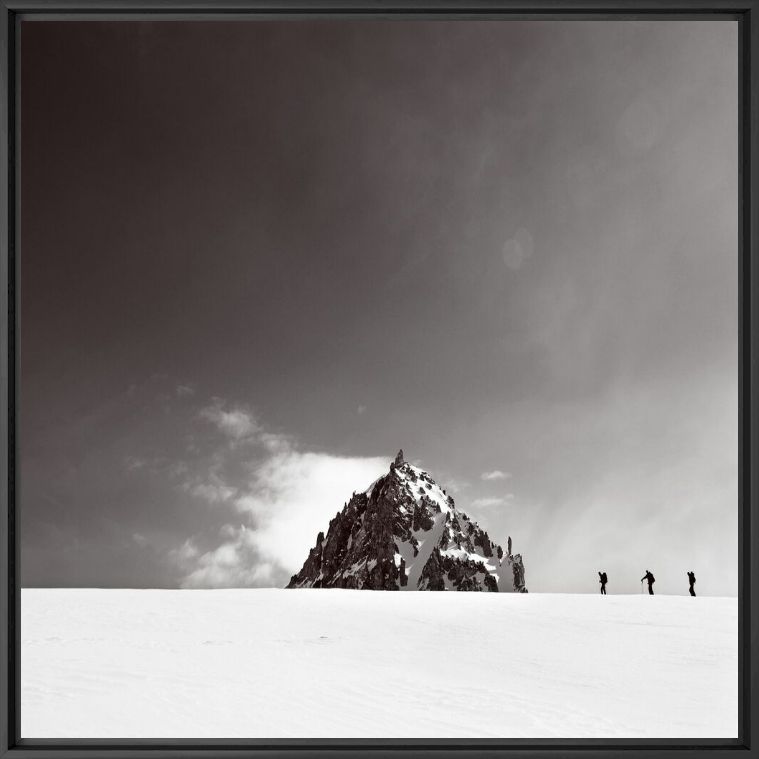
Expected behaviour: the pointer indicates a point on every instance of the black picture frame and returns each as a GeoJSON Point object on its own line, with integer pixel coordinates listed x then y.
{"type": "Point", "coordinates": [746, 12]}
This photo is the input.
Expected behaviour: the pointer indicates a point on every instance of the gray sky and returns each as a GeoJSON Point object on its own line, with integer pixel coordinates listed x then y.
{"type": "Point", "coordinates": [258, 258]}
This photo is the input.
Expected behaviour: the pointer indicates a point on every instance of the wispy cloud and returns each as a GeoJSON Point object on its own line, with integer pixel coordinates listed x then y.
{"type": "Point", "coordinates": [235, 563]}
{"type": "Point", "coordinates": [236, 423]}
{"type": "Point", "coordinates": [454, 484]}
{"type": "Point", "coordinates": [213, 492]}
{"type": "Point", "coordinates": [185, 553]}
{"type": "Point", "coordinates": [496, 474]}
{"type": "Point", "coordinates": [518, 249]}
{"type": "Point", "coordinates": [485, 503]}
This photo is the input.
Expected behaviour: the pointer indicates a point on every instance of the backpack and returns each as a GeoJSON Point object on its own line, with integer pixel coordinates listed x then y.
{"type": "Point", "coordinates": [653, 579]}
{"type": "Point", "coordinates": [604, 579]}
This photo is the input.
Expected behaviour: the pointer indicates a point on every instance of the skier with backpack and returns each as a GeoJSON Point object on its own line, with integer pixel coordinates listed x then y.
{"type": "Point", "coordinates": [691, 582]}
{"type": "Point", "coordinates": [650, 579]}
{"type": "Point", "coordinates": [603, 579]}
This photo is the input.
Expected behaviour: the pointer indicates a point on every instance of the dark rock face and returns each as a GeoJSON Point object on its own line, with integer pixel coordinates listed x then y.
{"type": "Point", "coordinates": [405, 533]}
{"type": "Point", "coordinates": [446, 573]}
{"type": "Point", "coordinates": [433, 574]}
{"type": "Point", "coordinates": [518, 568]}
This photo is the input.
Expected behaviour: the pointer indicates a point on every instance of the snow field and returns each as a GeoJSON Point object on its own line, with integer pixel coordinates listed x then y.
{"type": "Point", "coordinates": [343, 664]}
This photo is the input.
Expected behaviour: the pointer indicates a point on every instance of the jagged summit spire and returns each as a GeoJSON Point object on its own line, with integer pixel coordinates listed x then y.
{"type": "Point", "coordinates": [399, 460]}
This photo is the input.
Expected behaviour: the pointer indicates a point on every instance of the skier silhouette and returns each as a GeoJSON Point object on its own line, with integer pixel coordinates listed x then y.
{"type": "Point", "coordinates": [603, 579]}
{"type": "Point", "coordinates": [692, 582]}
{"type": "Point", "coordinates": [650, 579]}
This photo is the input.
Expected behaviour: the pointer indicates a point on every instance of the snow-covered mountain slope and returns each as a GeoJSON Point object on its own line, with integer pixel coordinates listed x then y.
{"type": "Point", "coordinates": [405, 532]}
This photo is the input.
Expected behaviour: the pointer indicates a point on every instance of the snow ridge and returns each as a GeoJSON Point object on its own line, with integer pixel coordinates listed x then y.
{"type": "Point", "coordinates": [405, 533]}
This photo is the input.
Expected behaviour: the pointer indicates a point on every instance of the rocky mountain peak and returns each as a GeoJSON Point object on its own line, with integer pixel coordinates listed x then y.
{"type": "Point", "coordinates": [404, 532]}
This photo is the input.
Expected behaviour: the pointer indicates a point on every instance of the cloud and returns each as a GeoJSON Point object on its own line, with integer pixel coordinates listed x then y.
{"type": "Point", "coordinates": [185, 391]}
{"type": "Point", "coordinates": [518, 249]}
{"type": "Point", "coordinates": [283, 494]}
{"type": "Point", "coordinates": [235, 563]}
{"type": "Point", "coordinates": [484, 503]}
{"type": "Point", "coordinates": [237, 423]}
{"type": "Point", "coordinates": [361, 409]}
{"type": "Point", "coordinates": [496, 474]}
{"type": "Point", "coordinates": [454, 484]}
{"type": "Point", "coordinates": [274, 442]}
{"type": "Point", "coordinates": [228, 531]}
{"type": "Point", "coordinates": [294, 494]}
{"type": "Point", "coordinates": [185, 553]}
{"type": "Point", "coordinates": [213, 492]}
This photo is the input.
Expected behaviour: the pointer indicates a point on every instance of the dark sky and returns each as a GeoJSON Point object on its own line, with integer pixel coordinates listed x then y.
{"type": "Point", "coordinates": [257, 258]}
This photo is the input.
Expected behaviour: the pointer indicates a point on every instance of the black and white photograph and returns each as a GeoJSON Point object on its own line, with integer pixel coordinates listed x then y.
{"type": "Point", "coordinates": [378, 378]}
